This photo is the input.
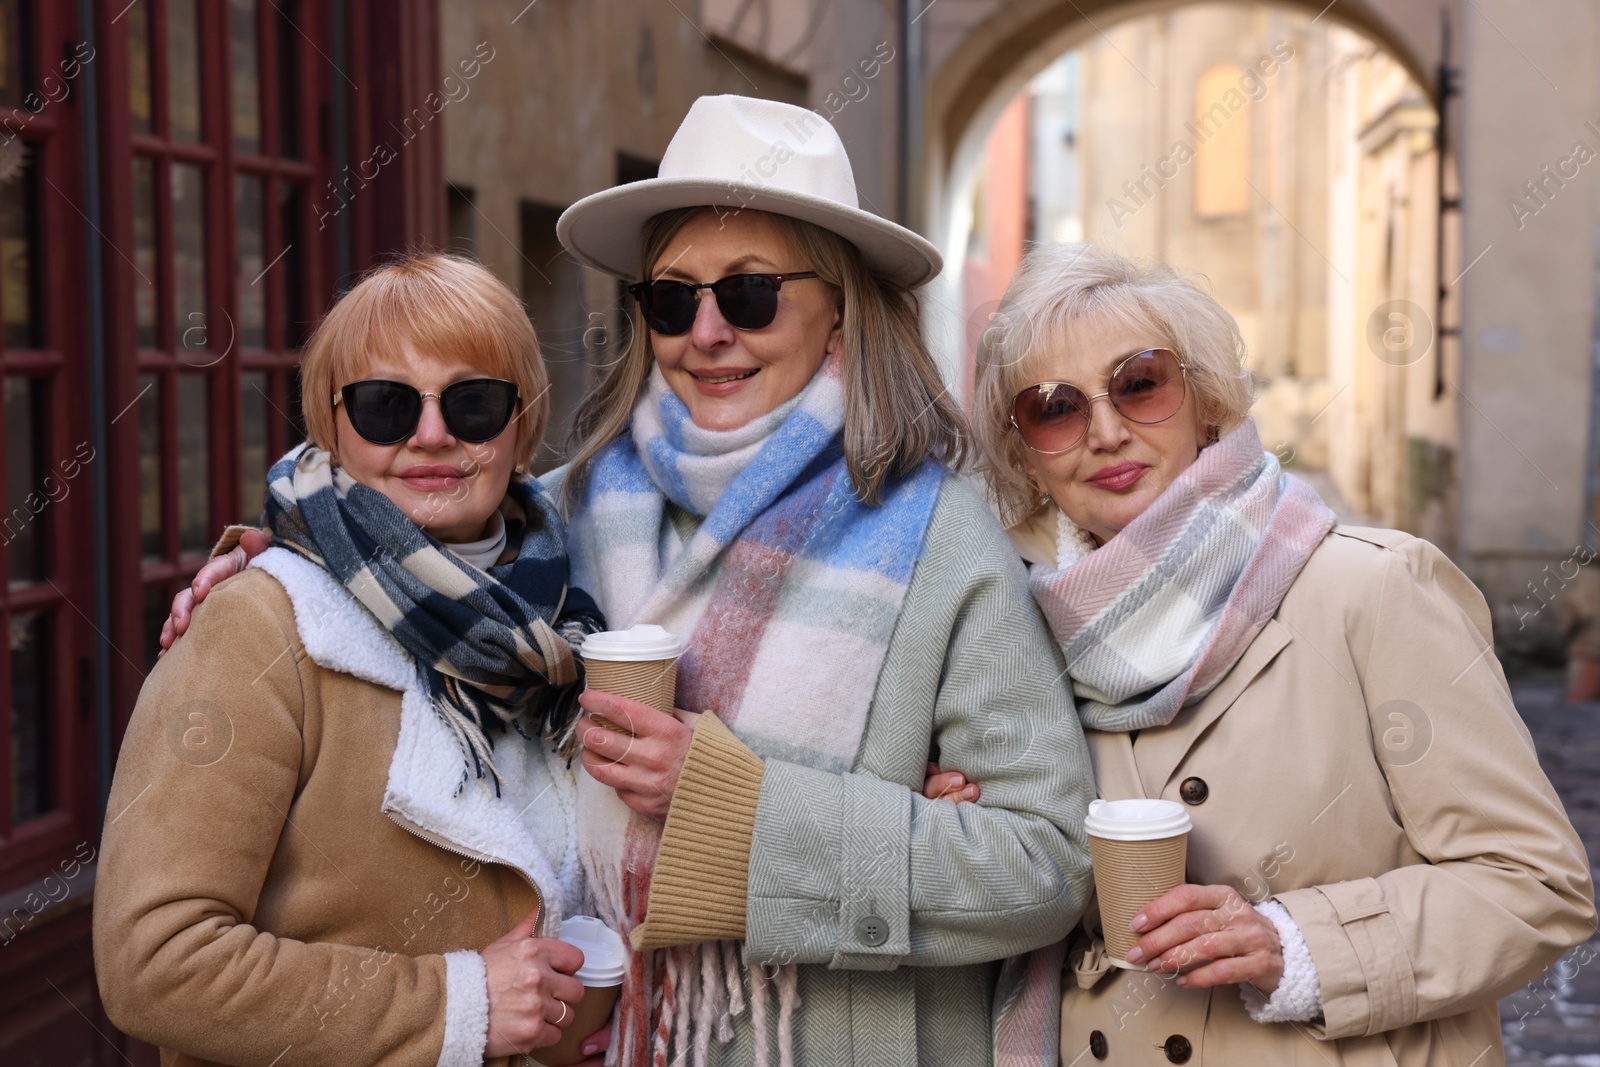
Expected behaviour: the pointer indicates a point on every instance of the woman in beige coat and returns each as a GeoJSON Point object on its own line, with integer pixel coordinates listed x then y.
{"type": "Point", "coordinates": [340, 832]}
{"type": "Point", "coordinates": [1376, 855]}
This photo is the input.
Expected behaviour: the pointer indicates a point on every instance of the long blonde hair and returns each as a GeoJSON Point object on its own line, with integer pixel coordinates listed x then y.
{"type": "Point", "coordinates": [897, 409]}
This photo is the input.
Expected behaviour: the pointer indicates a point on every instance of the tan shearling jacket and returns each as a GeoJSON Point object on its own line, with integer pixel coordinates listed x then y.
{"type": "Point", "coordinates": [288, 875]}
{"type": "Point", "coordinates": [1362, 764]}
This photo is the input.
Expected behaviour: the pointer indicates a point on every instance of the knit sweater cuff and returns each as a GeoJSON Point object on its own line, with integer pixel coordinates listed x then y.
{"type": "Point", "coordinates": [700, 888]}
{"type": "Point", "coordinates": [1298, 997]}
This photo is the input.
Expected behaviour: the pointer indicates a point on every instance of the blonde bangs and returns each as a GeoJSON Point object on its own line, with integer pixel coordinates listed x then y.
{"type": "Point", "coordinates": [448, 309]}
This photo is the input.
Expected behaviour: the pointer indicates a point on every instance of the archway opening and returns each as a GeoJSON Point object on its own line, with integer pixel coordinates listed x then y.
{"type": "Point", "coordinates": [1292, 163]}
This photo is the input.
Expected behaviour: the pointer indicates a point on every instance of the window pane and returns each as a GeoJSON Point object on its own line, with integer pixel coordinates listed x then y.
{"type": "Point", "coordinates": [183, 69]}
{"type": "Point", "coordinates": [248, 282]}
{"type": "Point", "coordinates": [27, 502]}
{"type": "Point", "coordinates": [144, 250]}
{"type": "Point", "coordinates": [149, 405]}
{"type": "Point", "coordinates": [253, 458]}
{"type": "Point", "coordinates": [157, 602]}
{"type": "Point", "coordinates": [19, 216]}
{"type": "Point", "coordinates": [246, 76]}
{"type": "Point", "coordinates": [290, 197]}
{"type": "Point", "coordinates": [139, 92]}
{"type": "Point", "coordinates": [31, 759]}
{"type": "Point", "coordinates": [194, 464]}
{"type": "Point", "coordinates": [297, 423]}
{"type": "Point", "coordinates": [13, 54]}
{"type": "Point", "coordinates": [288, 78]}
{"type": "Point", "coordinates": [189, 321]}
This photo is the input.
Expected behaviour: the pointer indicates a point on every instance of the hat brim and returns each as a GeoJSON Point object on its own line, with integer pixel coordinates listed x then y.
{"type": "Point", "coordinates": [602, 230]}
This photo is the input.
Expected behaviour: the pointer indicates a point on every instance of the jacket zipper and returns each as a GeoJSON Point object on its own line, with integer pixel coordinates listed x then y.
{"type": "Point", "coordinates": [478, 857]}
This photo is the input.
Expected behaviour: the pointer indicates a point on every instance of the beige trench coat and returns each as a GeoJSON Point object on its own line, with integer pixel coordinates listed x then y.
{"type": "Point", "coordinates": [1364, 765]}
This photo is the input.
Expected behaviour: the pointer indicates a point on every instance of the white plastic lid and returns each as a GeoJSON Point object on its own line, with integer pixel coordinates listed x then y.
{"type": "Point", "coordinates": [644, 642]}
{"type": "Point", "coordinates": [1136, 820]}
{"type": "Point", "coordinates": [605, 957]}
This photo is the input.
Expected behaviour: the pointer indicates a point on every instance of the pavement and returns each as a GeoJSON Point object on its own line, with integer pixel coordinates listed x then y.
{"type": "Point", "coordinates": [1555, 1020]}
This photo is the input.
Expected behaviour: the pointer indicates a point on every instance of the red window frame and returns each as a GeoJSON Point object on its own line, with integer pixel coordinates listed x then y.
{"type": "Point", "coordinates": [52, 134]}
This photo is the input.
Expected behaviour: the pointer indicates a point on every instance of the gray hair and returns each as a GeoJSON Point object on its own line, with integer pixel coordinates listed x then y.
{"type": "Point", "coordinates": [1058, 287]}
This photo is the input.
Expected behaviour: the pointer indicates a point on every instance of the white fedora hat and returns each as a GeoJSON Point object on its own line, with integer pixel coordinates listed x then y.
{"type": "Point", "coordinates": [734, 153]}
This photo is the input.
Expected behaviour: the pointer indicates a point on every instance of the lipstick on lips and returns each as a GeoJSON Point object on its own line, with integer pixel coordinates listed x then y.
{"type": "Point", "coordinates": [426, 477]}
{"type": "Point", "coordinates": [1118, 476]}
{"type": "Point", "coordinates": [722, 382]}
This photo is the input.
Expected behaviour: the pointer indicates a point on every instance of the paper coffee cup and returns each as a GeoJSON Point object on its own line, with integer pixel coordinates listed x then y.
{"type": "Point", "coordinates": [1139, 849]}
{"type": "Point", "coordinates": [640, 663]}
{"type": "Point", "coordinates": [605, 960]}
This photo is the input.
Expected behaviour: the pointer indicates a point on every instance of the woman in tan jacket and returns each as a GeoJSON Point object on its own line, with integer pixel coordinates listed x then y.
{"type": "Point", "coordinates": [1376, 855]}
{"type": "Point", "coordinates": [340, 833]}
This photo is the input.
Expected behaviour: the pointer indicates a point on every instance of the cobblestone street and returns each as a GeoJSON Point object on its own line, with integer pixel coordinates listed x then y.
{"type": "Point", "coordinates": [1555, 1020]}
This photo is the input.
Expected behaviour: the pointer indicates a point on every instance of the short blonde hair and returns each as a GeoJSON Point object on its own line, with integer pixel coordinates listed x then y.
{"type": "Point", "coordinates": [445, 307]}
{"type": "Point", "coordinates": [1058, 287]}
{"type": "Point", "coordinates": [897, 411]}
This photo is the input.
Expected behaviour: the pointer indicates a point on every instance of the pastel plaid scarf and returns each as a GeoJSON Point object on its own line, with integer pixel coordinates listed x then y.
{"type": "Point", "coordinates": [1152, 620]}
{"type": "Point", "coordinates": [788, 573]}
{"type": "Point", "coordinates": [492, 646]}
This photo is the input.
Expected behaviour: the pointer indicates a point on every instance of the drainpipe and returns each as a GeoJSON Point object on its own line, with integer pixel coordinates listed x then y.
{"type": "Point", "coordinates": [100, 485]}
{"type": "Point", "coordinates": [909, 142]}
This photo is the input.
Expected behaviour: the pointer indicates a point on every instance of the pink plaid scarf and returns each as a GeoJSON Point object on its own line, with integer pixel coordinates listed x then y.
{"type": "Point", "coordinates": [1151, 621]}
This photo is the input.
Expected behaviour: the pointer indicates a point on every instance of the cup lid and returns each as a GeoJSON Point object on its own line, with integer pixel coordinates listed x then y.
{"type": "Point", "coordinates": [605, 957]}
{"type": "Point", "coordinates": [646, 641]}
{"type": "Point", "coordinates": [1136, 820]}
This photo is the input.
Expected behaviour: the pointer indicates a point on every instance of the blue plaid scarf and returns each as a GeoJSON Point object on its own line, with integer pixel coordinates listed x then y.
{"type": "Point", "coordinates": [492, 646]}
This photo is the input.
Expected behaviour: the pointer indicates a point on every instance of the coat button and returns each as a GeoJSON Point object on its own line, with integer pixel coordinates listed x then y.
{"type": "Point", "coordinates": [1194, 791]}
{"type": "Point", "coordinates": [1178, 1048]}
{"type": "Point", "coordinates": [1097, 1045]}
{"type": "Point", "coordinates": [872, 931]}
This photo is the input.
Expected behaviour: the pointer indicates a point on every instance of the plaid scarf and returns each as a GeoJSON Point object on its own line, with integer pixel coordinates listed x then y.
{"type": "Point", "coordinates": [492, 647]}
{"type": "Point", "coordinates": [1151, 621]}
{"type": "Point", "coordinates": [788, 573]}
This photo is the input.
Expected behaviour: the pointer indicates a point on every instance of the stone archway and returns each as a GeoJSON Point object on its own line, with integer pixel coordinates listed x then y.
{"type": "Point", "coordinates": [977, 57]}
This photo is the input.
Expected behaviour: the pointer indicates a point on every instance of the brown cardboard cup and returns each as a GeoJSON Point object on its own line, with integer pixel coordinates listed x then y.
{"type": "Point", "coordinates": [605, 958]}
{"type": "Point", "coordinates": [640, 663]}
{"type": "Point", "coordinates": [1139, 849]}
{"type": "Point", "coordinates": [588, 1015]}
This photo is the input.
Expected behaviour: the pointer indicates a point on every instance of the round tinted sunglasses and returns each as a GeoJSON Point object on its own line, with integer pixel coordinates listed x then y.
{"type": "Point", "coordinates": [747, 301]}
{"type": "Point", "coordinates": [1148, 387]}
{"type": "Point", "coordinates": [387, 413]}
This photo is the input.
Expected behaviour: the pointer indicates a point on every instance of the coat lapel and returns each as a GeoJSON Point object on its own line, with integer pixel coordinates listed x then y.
{"type": "Point", "coordinates": [1160, 751]}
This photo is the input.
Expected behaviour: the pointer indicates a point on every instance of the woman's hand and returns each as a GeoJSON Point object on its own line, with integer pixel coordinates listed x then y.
{"type": "Point", "coordinates": [1214, 930]}
{"type": "Point", "coordinates": [251, 544]}
{"type": "Point", "coordinates": [948, 785]}
{"type": "Point", "coordinates": [643, 768]}
{"type": "Point", "coordinates": [531, 987]}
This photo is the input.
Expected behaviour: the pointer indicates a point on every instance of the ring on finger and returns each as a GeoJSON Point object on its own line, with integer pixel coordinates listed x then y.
{"type": "Point", "coordinates": [563, 1012]}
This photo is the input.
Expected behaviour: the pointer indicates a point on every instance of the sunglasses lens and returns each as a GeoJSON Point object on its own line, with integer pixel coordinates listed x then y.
{"type": "Point", "coordinates": [669, 308]}
{"type": "Point", "coordinates": [1051, 417]}
{"type": "Point", "coordinates": [1149, 387]}
{"type": "Point", "coordinates": [478, 409]}
{"type": "Point", "coordinates": [747, 301]}
{"type": "Point", "coordinates": [382, 412]}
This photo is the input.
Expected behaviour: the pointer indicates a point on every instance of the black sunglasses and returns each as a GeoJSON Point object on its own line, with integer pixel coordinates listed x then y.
{"type": "Point", "coordinates": [387, 413]}
{"type": "Point", "coordinates": [747, 301]}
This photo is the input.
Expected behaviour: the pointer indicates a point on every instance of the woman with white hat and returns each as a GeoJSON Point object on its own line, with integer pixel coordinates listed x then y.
{"type": "Point", "coordinates": [766, 473]}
